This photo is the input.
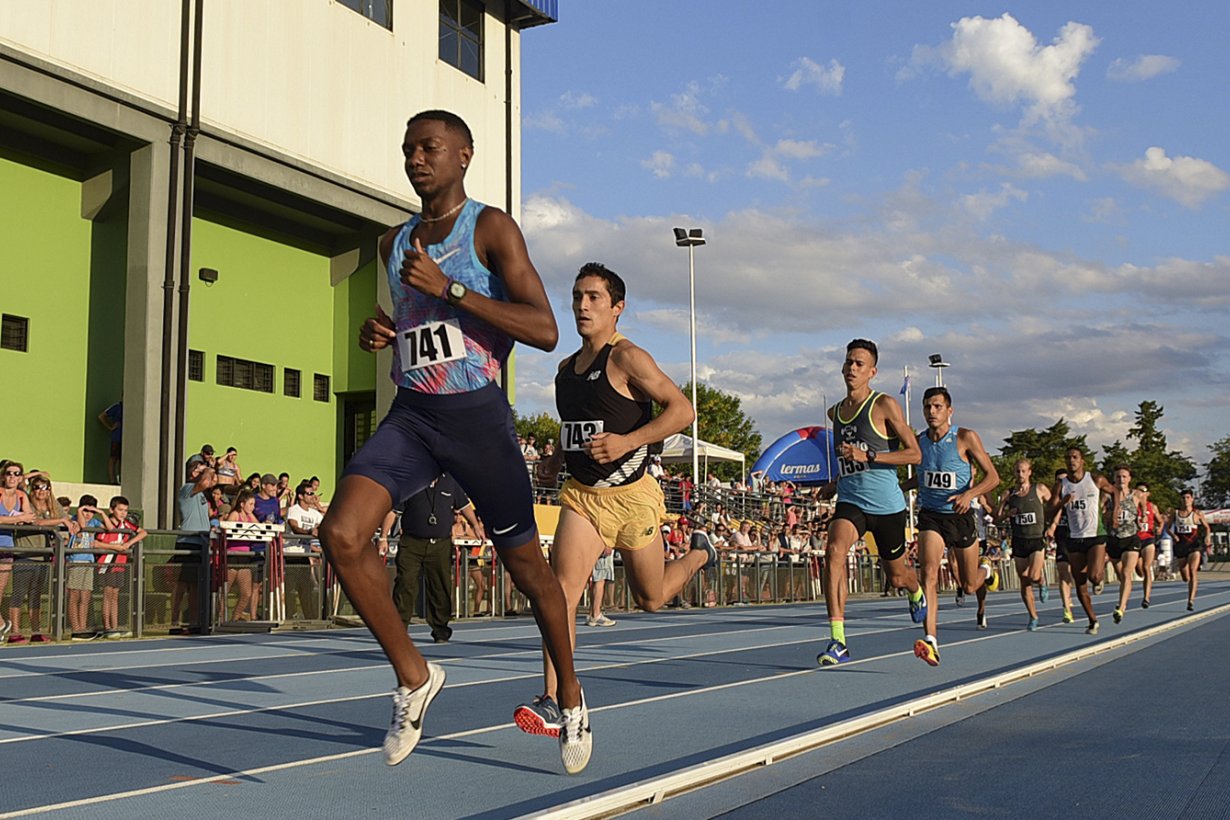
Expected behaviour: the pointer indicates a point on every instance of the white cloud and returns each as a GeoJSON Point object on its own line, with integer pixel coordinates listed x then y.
{"type": "Point", "coordinates": [1144, 67]}
{"type": "Point", "coordinates": [983, 204]}
{"type": "Point", "coordinates": [543, 121]}
{"type": "Point", "coordinates": [1007, 66]}
{"type": "Point", "coordinates": [1187, 180]}
{"type": "Point", "coordinates": [808, 72]}
{"type": "Point", "coordinates": [800, 149]}
{"type": "Point", "coordinates": [1103, 210]}
{"type": "Point", "coordinates": [661, 164]}
{"type": "Point", "coordinates": [684, 111]}
{"type": "Point", "coordinates": [1040, 164]}
{"type": "Point", "coordinates": [577, 100]}
{"type": "Point", "coordinates": [770, 164]}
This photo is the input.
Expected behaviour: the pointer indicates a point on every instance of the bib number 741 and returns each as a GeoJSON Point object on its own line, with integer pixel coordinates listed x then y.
{"type": "Point", "coordinates": [431, 343]}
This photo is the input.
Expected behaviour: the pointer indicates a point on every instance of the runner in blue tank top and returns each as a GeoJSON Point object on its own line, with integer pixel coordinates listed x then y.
{"type": "Point", "coordinates": [946, 491]}
{"type": "Point", "coordinates": [464, 290]}
{"type": "Point", "coordinates": [872, 440]}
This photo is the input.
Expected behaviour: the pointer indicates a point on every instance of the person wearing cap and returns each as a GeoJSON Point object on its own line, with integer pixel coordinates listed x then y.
{"type": "Point", "coordinates": [655, 467]}
{"type": "Point", "coordinates": [206, 456]}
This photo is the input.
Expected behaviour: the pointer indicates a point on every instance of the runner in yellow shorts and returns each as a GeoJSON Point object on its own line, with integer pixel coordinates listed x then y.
{"type": "Point", "coordinates": [604, 394]}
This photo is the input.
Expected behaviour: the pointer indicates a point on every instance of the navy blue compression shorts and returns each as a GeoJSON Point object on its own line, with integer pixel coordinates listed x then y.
{"type": "Point", "coordinates": [468, 435]}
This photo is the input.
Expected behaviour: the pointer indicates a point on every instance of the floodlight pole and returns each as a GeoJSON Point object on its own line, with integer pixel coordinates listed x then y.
{"type": "Point", "coordinates": [690, 239]}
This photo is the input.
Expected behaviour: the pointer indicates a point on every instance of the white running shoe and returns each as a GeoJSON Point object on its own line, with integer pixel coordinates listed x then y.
{"type": "Point", "coordinates": [601, 620]}
{"type": "Point", "coordinates": [409, 707]}
{"type": "Point", "coordinates": [576, 741]}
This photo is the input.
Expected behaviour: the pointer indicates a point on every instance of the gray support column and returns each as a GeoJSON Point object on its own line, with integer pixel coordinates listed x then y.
{"type": "Point", "coordinates": [385, 389]}
{"type": "Point", "coordinates": [149, 170]}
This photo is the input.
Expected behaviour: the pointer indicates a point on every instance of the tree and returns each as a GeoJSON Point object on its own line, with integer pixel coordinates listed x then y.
{"type": "Point", "coordinates": [1046, 450]}
{"type": "Point", "coordinates": [544, 427]}
{"type": "Point", "coordinates": [1215, 491]}
{"type": "Point", "coordinates": [1166, 472]}
{"type": "Point", "coordinates": [721, 420]}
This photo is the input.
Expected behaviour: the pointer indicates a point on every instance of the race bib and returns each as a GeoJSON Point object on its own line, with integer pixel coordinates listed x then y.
{"type": "Point", "coordinates": [574, 435]}
{"type": "Point", "coordinates": [848, 466]}
{"type": "Point", "coordinates": [1125, 516]}
{"type": "Point", "coordinates": [939, 481]}
{"type": "Point", "coordinates": [431, 343]}
{"type": "Point", "coordinates": [1025, 519]}
{"type": "Point", "coordinates": [1184, 528]}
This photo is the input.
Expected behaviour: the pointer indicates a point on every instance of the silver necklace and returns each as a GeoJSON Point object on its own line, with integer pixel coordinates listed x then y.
{"type": "Point", "coordinates": [430, 219]}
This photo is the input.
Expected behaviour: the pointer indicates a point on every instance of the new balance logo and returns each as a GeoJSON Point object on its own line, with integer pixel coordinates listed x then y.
{"type": "Point", "coordinates": [594, 375]}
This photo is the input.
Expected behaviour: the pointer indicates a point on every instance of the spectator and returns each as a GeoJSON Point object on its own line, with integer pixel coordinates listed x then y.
{"type": "Point", "coordinates": [656, 469]}
{"type": "Point", "coordinates": [113, 419]}
{"type": "Point", "coordinates": [31, 569]}
{"type": "Point", "coordinates": [268, 509]}
{"type": "Point", "coordinates": [242, 560]}
{"type": "Point", "coordinates": [546, 474]}
{"type": "Point", "coordinates": [218, 506]}
{"type": "Point", "coordinates": [192, 545]}
{"type": "Point", "coordinates": [426, 548]}
{"type": "Point", "coordinates": [604, 570]}
{"type": "Point", "coordinates": [205, 456]}
{"type": "Point", "coordinates": [80, 580]}
{"type": "Point", "coordinates": [14, 509]}
{"type": "Point", "coordinates": [228, 469]}
{"type": "Point", "coordinates": [253, 482]}
{"type": "Point", "coordinates": [320, 501]}
{"type": "Point", "coordinates": [122, 534]}
{"type": "Point", "coordinates": [476, 563]}
{"type": "Point", "coordinates": [529, 450]}
{"type": "Point", "coordinates": [286, 494]}
{"type": "Point", "coordinates": [303, 571]}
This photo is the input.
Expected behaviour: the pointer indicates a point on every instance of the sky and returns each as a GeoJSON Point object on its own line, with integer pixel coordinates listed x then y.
{"type": "Point", "coordinates": [1040, 193]}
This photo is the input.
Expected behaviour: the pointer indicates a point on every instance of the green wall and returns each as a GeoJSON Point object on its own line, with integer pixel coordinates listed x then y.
{"type": "Point", "coordinates": [272, 304]}
{"type": "Point", "coordinates": [66, 275]}
{"type": "Point", "coordinates": [353, 302]}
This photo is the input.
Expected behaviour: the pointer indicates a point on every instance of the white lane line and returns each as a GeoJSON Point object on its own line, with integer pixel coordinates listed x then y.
{"type": "Point", "coordinates": [293, 764]}
{"type": "Point", "coordinates": [655, 790]}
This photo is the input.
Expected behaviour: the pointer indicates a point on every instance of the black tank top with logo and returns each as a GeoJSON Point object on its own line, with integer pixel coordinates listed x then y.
{"type": "Point", "coordinates": [589, 404]}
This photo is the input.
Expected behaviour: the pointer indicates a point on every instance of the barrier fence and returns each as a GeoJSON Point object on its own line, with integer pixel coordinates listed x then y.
{"type": "Point", "coordinates": [176, 581]}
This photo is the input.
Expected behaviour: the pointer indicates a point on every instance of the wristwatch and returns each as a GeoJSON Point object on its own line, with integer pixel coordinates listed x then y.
{"type": "Point", "coordinates": [455, 291]}
{"type": "Point", "coordinates": [871, 456]}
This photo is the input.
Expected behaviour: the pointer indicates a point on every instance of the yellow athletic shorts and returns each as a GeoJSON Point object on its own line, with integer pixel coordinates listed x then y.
{"type": "Point", "coordinates": [626, 517]}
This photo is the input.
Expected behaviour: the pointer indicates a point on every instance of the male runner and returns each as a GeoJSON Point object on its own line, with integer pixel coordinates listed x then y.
{"type": "Point", "coordinates": [872, 441]}
{"type": "Point", "coordinates": [1151, 523]}
{"type": "Point", "coordinates": [604, 394]}
{"type": "Point", "coordinates": [946, 491]}
{"type": "Point", "coordinates": [1060, 533]}
{"type": "Point", "coordinates": [1025, 505]}
{"type": "Point", "coordinates": [1186, 526]}
{"type": "Point", "coordinates": [1079, 493]}
{"type": "Point", "coordinates": [464, 290]}
{"type": "Point", "coordinates": [1123, 541]}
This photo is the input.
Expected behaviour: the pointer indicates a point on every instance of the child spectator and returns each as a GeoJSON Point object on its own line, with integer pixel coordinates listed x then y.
{"type": "Point", "coordinates": [81, 569]}
{"type": "Point", "coordinates": [120, 537]}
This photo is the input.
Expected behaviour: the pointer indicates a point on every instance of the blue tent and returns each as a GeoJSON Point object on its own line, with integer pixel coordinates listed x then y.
{"type": "Point", "coordinates": [803, 456]}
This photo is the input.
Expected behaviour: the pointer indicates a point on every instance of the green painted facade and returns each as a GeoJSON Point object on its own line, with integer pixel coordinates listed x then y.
{"type": "Point", "coordinates": [273, 304]}
{"type": "Point", "coordinates": [65, 274]}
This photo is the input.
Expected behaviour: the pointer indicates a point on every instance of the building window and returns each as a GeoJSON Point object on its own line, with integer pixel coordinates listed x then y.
{"type": "Point", "coordinates": [290, 382]}
{"type": "Point", "coordinates": [378, 11]}
{"type": "Point", "coordinates": [461, 36]}
{"type": "Point", "coordinates": [15, 333]}
{"type": "Point", "coordinates": [196, 366]}
{"type": "Point", "coordinates": [245, 375]}
{"type": "Point", "coordinates": [320, 389]}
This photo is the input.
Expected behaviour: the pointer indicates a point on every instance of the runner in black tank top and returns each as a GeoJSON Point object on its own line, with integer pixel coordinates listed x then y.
{"type": "Point", "coordinates": [1190, 532]}
{"type": "Point", "coordinates": [1024, 506]}
{"type": "Point", "coordinates": [604, 394]}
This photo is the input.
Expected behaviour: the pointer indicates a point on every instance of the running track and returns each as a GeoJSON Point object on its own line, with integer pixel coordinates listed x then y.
{"type": "Point", "coordinates": [290, 724]}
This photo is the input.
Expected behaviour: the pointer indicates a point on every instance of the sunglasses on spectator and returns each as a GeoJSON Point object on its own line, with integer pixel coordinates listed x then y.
{"type": "Point", "coordinates": [17, 473]}
{"type": "Point", "coordinates": [38, 488]}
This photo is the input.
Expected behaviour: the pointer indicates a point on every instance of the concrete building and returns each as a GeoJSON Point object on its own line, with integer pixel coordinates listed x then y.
{"type": "Point", "coordinates": [219, 171]}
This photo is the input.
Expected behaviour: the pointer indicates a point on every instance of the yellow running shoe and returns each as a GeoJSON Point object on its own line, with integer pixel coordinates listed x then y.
{"type": "Point", "coordinates": [927, 651]}
{"type": "Point", "coordinates": [992, 576]}
{"type": "Point", "coordinates": [1067, 616]}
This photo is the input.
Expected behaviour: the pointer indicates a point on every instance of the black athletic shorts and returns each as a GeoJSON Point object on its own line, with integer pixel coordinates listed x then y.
{"type": "Point", "coordinates": [1182, 549]}
{"type": "Point", "coordinates": [1115, 546]}
{"type": "Point", "coordinates": [1147, 541]}
{"type": "Point", "coordinates": [958, 530]}
{"type": "Point", "coordinates": [1083, 545]}
{"type": "Point", "coordinates": [1025, 547]}
{"type": "Point", "coordinates": [1062, 535]}
{"type": "Point", "coordinates": [887, 530]}
{"type": "Point", "coordinates": [468, 435]}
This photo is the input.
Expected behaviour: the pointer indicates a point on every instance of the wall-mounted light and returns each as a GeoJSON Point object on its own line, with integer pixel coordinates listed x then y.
{"type": "Point", "coordinates": [208, 275]}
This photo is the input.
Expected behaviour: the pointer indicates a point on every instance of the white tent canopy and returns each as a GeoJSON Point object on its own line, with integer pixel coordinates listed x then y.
{"type": "Point", "coordinates": [678, 449]}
